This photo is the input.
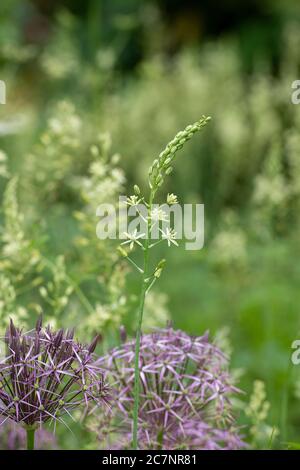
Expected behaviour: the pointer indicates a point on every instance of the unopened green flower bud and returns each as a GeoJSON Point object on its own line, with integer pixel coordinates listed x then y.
{"type": "Point", "coordinates": [122, 251]}
{"type": "Point", "coordinates": [159, 180]}
{"type": "Point", "coordinates": [137, 190]}
{"type": "Point", "coordinates": [159, 268]}
{"type": "Point", "coordinates": [167, 162]}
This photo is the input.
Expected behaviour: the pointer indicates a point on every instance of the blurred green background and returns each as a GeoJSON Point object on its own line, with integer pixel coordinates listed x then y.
{"type": "Point", "coordinates": [95, 89]}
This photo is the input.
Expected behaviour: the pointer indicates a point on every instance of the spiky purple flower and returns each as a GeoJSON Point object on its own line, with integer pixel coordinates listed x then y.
{"type": "Point", "coordinates": [13, 437]}
{"type": "Point", "coordinates": [45, 374]}
{"type": "Point", "coordinates": [185, 394]}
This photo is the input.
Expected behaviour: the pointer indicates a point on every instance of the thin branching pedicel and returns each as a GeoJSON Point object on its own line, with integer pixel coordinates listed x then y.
{"type": "Point", "coordinates": [160, 168]}
{"type": "Point", "coordinates": [46, 374]}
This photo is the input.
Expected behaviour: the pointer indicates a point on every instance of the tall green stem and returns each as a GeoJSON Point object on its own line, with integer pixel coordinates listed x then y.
{"type": "Point", "coordinates": [30, 438]}
{"type": "Point", "coordinates": [160, 168]}
{"type": "Point", "coordinates": [144, 287]}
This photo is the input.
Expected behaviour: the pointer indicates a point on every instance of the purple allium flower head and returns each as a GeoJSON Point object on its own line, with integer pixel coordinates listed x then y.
{"type": "Point", "coordinates": [185, 394]}
{"type": "Point", "coordinates": [203, 436]}
{"type": "Point", "coordinates": [45, 374]}
{"type": "Point", "coordinates": [13, 437]}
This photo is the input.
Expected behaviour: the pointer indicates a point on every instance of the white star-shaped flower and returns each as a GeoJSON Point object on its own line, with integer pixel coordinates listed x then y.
{"type": "Point", "coordinates": [133, 201]}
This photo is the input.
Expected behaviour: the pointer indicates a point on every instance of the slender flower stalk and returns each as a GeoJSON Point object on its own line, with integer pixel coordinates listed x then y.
{"type": "Point", "coordinates": [30, 431]}
{"type": "Point", "coordinates": [160, 168]}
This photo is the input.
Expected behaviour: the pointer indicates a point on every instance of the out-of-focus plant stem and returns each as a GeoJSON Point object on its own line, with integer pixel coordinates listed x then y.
{"type": "Point", "coordinates": [30, 432]}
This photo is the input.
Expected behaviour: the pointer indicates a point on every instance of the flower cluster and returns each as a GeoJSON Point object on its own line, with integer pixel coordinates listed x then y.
{"type": "Point", "coordinates": [46, 374]}
{"type": "Point", "coordinates": [261, 432]}
{"type": "Point", "coordinates": [185, 394]}
{"type": "Point", "coordinates": [13, 437]}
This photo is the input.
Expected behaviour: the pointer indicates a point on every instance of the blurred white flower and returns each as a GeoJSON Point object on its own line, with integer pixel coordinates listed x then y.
{"type": "Point", "coordinates": [133, 238]}
{"type": "Point", "coordinates": [133, 201]}
{"type": "Point", "coordinates": [170, 236]}
{"type": "Point", "coordinates": [158, 214]}
{"type": "Point", "coordinates": [172, 199]}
